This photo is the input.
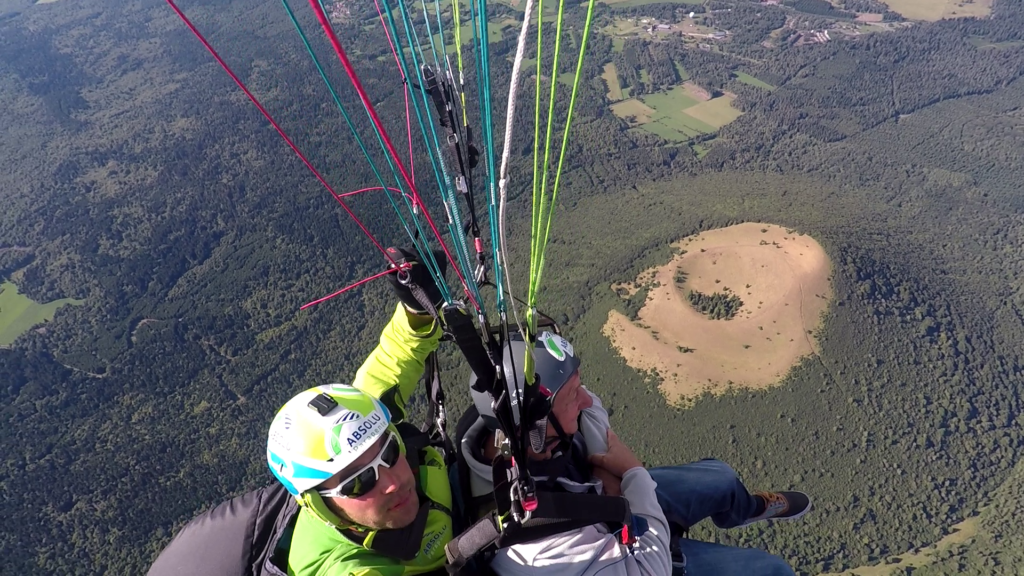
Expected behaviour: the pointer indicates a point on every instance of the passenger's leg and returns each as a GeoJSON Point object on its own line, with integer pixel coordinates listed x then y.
{"type": "Point", "coordinates": [707, 489]}
{"type": "Point", "coordinates": [707, 559]}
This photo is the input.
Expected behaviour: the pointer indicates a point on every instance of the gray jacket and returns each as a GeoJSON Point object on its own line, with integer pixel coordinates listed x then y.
{"type": "Point", "coordinates": [590, 550]}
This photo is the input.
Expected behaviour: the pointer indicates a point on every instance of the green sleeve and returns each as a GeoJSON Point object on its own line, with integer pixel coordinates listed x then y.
{"type": "Point", "coordinates": [393, 369]}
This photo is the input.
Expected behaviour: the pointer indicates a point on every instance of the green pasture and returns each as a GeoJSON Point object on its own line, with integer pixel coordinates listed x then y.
{"type": "Point", "coordinates": [18, 313]}
{"type": "Point", "coordinates": [633, 107]}
{"type": "Point", "coordinates": [631, 3]}
{"type": "Point", "coordinates": [611, 79]}
{"type": "Point", "coordinates": [748, 79]}
{"type": "Point", "coordinates": [700, 150]}
{"type": "Point", "coordinates": [683, 74]}
{"type": "Point", "coordinates": [674, 100]}
{"type": "Point", "coordinates": [683, 122]}
{"type": "Point", "coordinates": [716, 112]}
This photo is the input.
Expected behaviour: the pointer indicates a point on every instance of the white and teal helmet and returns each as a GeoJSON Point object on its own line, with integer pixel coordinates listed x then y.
{"type": "Point", "coordinates": [321, 431]}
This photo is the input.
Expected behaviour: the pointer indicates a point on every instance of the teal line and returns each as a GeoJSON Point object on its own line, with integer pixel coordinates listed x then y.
{"type": "Point", "coordinates": [348, 121]}
{"type": "Point", "coordinates": [448, 194]}
{"type": "Point", "coordinates": [443, 184]}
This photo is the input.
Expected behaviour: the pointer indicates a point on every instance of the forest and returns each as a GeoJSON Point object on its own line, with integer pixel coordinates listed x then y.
{"type": "Point", "coordinates": [716, 306]}
{"type": "Point", "coordinates": [142, 182]}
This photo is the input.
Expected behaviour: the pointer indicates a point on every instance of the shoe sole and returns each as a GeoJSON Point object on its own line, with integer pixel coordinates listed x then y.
{"type": "Point", "coordinates": [810, 504]}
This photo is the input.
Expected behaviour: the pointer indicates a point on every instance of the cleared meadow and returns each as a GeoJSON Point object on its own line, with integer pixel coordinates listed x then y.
{"type": "Point", "coordinates": [933, 10]}
{"type": "Point", "coordinates": [716, 112]}
{"type": "Point", "coordinates": [18, 313]}
{"type": "Point", "coordinates": [748, 79]}
{"type": "Point", "coordinates": [782, 278]}
{"type": "Point", "coordinates": [611, 79]}
{"type": "Point", "coordinates": [679, 114]}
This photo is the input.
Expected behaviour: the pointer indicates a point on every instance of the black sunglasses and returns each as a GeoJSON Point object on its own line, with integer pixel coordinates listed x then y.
{"type": "Point", "coordinates": [363, 481]}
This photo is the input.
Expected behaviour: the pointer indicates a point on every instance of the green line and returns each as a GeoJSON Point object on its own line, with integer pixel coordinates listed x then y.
{"type": "Point", "coordinates": [565, 134]}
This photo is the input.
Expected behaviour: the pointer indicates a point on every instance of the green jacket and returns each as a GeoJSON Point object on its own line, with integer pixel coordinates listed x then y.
{"type": "Point", "coordinates": [318, 546]}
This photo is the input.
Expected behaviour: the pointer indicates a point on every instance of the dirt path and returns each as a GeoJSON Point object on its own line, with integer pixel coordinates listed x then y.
{"type": "Point", "coordinates": [782, 278]}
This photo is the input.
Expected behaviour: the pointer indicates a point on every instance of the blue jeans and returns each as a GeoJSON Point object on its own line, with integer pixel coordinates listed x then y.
{"type": "Point", "coordinates": [711, 489]}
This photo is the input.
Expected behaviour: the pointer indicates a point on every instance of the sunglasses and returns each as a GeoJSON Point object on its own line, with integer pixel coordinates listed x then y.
{"type": "Point", "coordinates": [363, 481]}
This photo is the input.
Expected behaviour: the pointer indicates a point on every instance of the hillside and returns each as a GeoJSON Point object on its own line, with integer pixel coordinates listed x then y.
{"type": "Point", "coordinates": [138, 180]}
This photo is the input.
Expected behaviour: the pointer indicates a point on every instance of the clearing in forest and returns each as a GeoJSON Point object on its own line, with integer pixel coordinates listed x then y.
{"type": "Point", "coordinates": [611, 78]}
{"type": "Point", "coordinates": [18, 313]}
{"type": "Point", "coordinates": [632, 3]}
{"type": "Point", "coordinates": [752, 81]}
{"type": "Point", "coordinates": [678, 114]}
{"type": "Point", "coordinates": [933, 10]}
{"type": "Point", "coordinates": [633, 108]}
{"type": "Point", "coordinates": [782, 279]}
{"type": "Point", "coordinates": [716, 112]}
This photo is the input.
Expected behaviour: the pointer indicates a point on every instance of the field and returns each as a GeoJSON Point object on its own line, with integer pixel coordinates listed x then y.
{"type": "Point", "coordinates": [635, 108]}
{"type": "Point", "coordinates": [716, 112]}
{"type": "Point", "coordinates": [782, 278]}
{"type": "Point", "coordinates": [675, 100]}
{"type": "Point", "coordinates": [938, 9]}
{"type": "Point", "coordinates": [18, 313]}
{"type": "Point", "coordinates": [611, 78]}
{"type": "Point", "coordinates": [748, 79]}
{"type": "Point", "coordinates": [679, 114]}
{"type": "Point", "coordinates": [631, 3]}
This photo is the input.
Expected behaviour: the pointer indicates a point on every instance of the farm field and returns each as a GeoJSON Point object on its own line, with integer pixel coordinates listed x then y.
{"type": "Point", "coordinates": [18, 313]}
{"type": "Point", "coordinates": [716, 112]}
{"type": "Point", "coordinates": [635, 108]}
{"type": "Point", "coordinates": [631, 3]}
{"type": "Point", "coordinates": [933, 10]}
{"type": "Point", "coordinates": [678, 98]}
{"type": "Point", "coordinates": [782, 278]}
{"type": "Point", "coordinates": [611, 79]}
{"type": "Point", "coordinates": [681, 113]}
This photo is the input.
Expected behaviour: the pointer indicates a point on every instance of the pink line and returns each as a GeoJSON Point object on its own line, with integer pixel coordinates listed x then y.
{"type": "Point", "coordinates": [353, 193]}
{"type": "Point", "coordinates": [279, 130]}
{"type": "Point", "coordinates": [340, 51]}
{"type": "Point", "coordinates": [405, 90]}
{"type": "Point", "coordinates": [347, 288]}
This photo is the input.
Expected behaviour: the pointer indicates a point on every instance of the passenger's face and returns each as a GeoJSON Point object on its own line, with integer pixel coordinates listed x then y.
{"type": "Point", "coordinates": [569, 401]}
{"type": "Point", "coordinates": [392, 503]}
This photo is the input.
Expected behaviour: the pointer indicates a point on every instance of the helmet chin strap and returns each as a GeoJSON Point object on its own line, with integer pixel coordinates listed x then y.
{"type": "Point", "coordinates": [563, 439]}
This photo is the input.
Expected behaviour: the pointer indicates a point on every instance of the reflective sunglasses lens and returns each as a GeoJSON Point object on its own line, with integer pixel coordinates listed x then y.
{"type": "Point", "coordinates": [361, 484]}
{"type": "Point", "coordinates": [389, 455]}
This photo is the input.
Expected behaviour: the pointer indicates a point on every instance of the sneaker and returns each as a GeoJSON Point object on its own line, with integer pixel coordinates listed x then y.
{"type": "Point", "coordinates": [781, 506]}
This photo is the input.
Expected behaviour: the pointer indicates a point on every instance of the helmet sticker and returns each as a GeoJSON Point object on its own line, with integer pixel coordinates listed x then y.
{"type": "Point", "coordinates": [557, 346]}
{"type": "Point", "coordinates": [350, 435]}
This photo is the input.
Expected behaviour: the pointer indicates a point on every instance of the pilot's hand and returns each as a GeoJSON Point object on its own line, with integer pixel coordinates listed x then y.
{"type": "Point", "coordinates": [618, 460]}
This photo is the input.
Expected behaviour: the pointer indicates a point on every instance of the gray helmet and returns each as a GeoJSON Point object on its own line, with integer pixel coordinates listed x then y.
{"type": "Point", "coordinates": [555, 362]}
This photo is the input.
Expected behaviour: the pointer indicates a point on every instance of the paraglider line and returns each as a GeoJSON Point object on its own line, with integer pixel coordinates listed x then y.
{"type": "Point", "coordinates": [357, 85]}
{"type": "Point", "coordinates": [360, 283]}
{"type": "Point", "coordinates": [279, 130]}
{"type": "Point", "coordinates": [405, 90]}
{"type": "Point", "coordinates": [354, 192]}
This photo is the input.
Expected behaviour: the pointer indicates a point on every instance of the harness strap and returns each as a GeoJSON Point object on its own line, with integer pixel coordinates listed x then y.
{"type": "Point", "coordinates": [437, 418]}
{"type": "Point", "coordinates": [460, 326]}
